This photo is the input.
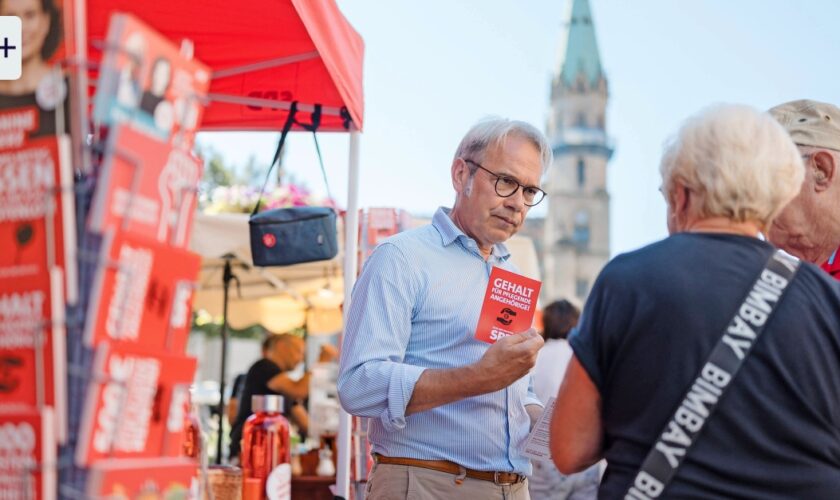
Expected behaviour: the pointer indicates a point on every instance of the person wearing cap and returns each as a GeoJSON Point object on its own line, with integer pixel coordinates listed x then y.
{"type": "Point", "coordinates": [762, 418]}
{"type": "Point", "coordinates": [449, 414]}
{"type": "Point", "coordinates": [809, 227]}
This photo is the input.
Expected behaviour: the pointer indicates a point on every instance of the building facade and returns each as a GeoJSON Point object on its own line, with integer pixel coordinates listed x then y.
{"type": "Point", "coordinates": [576, 242]}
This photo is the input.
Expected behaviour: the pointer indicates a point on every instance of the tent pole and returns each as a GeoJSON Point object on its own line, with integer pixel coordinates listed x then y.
{"type": "Point", "coordinates": [351, 261]}
{"type": "Point", "coordinates": [227, 277]}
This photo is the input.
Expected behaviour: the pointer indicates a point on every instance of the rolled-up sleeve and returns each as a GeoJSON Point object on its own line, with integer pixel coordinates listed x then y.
{"type": "Point", "coordinates": [531, 396]}
{"type": "Point", "coordinates": [373, 381]}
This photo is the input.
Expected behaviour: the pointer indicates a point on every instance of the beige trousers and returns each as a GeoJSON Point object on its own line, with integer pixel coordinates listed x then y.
{"type": "Point", "coordinates": [403, 482]}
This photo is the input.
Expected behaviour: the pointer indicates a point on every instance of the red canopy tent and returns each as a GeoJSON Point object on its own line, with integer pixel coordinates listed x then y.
{"type": "Point", "coordinates": [264, 54]}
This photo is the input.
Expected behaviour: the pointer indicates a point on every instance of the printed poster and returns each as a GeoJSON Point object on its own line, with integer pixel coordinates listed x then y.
{"type": "Point", "coordinates": [143, 294]}
{"type": "Point", "coordinates": [130, 401]}
{"type": "Point", "coordinates": [146, 80]}
{"type": "Point", "coordinates": [37, 211]}
{"type": "Point", "coordinates": [146, 187]}
{"type": "Point", "coordinates": [150, 478]}
{"type": "Point", "coordinates": [32, 345]}
{"type": "Point", "coordinates": [36, 104]}
{"type": "Point", "coordinates": [28, 454]}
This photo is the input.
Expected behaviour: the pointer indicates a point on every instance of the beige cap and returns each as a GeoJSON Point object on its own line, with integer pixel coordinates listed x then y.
{"type": "Point", "coordinates": [810, 123]}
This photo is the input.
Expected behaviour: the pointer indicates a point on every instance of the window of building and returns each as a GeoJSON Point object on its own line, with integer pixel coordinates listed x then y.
{"type": "Point", "coordinates": [581, 288]}
{"type": "Point", "coordinates": [581, 120]}
{"type": "Point", "coordinates": [581, 173]}
{"type": "Point", "coordinates": [580, 235]}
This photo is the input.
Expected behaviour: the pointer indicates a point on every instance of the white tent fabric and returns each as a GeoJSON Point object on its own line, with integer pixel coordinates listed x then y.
{"type": "Point", "coordinates": [279, 298]}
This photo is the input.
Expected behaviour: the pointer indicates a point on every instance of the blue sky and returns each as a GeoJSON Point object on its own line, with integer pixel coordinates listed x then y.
{"type": "Point", "coordinates": [433, 68]}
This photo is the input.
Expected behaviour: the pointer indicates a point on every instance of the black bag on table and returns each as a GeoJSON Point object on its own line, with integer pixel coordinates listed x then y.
{"type": "Point", "coordinates": [294, 235]}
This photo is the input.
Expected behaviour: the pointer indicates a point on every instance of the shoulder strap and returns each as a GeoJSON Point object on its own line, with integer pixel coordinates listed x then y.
{"type": "Point", "coordinates": [313, 127]}
{"type": "Point", "coordinates": [290, 120]}
{"type": "Point", "coordinates": [727, 357]}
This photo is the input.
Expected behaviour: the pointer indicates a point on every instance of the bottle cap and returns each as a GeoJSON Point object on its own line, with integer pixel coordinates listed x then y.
{"type": "Point", "coordinates": [271, 403]}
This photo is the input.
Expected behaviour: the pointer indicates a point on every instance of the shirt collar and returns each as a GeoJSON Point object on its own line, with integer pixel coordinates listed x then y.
{"type": "Point", "coordinates": [832, 265]}
{"type": "Point", "coordinates": [449, 233]}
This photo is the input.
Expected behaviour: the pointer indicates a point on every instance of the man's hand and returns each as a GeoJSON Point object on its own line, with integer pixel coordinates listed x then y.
{"type": "Point", "coordinates": [505, 362]}
{"type": "Point", "coordinates": [509, 359]}
{"type": "Point", "coordinates": [296, 389]}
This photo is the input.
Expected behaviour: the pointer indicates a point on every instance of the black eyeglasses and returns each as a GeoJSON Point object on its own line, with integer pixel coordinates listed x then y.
{"type": "Point", "coordinates": [508, 186]}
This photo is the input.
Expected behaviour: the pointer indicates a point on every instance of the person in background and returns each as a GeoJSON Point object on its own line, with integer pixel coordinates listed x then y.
{"type": "Point", "coordinates": [239, 382]}
{"type": "Point", "coordinates": [449, 414]}
{"type": "Point", "coordinates": [547, 482]}
{"type": "Point", "coordinates": [641, 380]}
{"type": "Point", "coordinates": [270, 375]}
{"type": "Point", "coordinates": [809, 226]}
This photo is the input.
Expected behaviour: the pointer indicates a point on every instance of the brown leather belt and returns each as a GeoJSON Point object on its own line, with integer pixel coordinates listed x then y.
{"type": "Point", "coordinates": [453, 468]}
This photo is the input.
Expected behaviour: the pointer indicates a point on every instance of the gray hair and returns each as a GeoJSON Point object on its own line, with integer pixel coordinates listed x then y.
{"type": "Point", "coordinates": [492, 131]}
{"type": "Point", "coordinates": [741, 160]}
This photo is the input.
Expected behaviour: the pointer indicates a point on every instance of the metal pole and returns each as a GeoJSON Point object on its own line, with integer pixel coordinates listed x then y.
{"type": "Point", "coordinates": [351, 246]}
{"type": "Point", "coordinates": [227, 277]}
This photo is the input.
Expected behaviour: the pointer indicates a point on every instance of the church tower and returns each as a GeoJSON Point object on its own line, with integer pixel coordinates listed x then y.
{"type": "Point", "coordinates": [576, 234]}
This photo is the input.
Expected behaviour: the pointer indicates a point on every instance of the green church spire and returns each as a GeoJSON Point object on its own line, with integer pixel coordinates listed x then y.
{"type": "Point", "coordinates": [579, 48]}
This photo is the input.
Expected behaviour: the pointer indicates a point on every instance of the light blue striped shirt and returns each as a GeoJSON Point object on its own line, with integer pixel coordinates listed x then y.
{"type": "Point", "coordinates": [415, 306]}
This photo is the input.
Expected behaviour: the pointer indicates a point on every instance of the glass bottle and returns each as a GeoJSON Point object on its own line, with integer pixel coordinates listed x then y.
{"type": "Point", "coordinates": [191, 446]}
{"type": "Point", "coordinates": [265, 439]}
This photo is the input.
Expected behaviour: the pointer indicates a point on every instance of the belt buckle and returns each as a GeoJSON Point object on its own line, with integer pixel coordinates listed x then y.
{"type": "Point", "coordinates": [499, 483]}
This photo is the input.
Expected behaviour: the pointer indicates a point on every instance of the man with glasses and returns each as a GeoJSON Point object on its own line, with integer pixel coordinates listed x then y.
{"type": "Point", "coordinates": [809, 227]}
{"type": "Point", "coordinates": [449, 413]}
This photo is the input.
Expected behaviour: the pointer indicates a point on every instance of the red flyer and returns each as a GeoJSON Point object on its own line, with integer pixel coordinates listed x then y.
{"type": "Point", "coordinates": [129, 401]}
{"type": "Point", "coordinates": [32, 344]}
{"type": "Point", "coordinates": [148, 478]}
{"type": "Point", "coordinates": [509, 305]}
{"type": "Point", "coordinates": [37, 210]}
{"type": "Point", "coordinates": [146, 187]}
{"type": "Point", "coordinates": [142, 293]}
{"type": "Point", "coordinates": [28, 454]}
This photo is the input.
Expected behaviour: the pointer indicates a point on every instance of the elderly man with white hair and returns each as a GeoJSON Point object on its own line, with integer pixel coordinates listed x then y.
{"type": "Point", "coordinates": [449, 413]}
{"type": "Point", "coordinates": [707, 365]}
{"type": "Point", "coordinates": [809, 227]}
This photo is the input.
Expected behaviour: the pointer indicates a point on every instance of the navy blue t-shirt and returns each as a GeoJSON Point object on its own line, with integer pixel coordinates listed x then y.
{"type": "Point", "coordinates": [652, 319]}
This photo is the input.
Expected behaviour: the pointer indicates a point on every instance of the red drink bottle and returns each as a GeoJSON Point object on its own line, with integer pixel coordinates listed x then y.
{"type": "Point", "coordinates": [265, 439]}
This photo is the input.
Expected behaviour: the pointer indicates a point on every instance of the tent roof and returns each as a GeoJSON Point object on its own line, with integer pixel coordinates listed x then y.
{"type": "Point", "coordinates": [326, 51]}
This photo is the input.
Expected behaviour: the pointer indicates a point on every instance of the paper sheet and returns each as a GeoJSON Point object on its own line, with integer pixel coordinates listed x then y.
{"type": "Point", "coordinates": [536, 445]}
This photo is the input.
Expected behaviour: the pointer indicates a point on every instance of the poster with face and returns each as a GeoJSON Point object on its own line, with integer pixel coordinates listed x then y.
{"type": "Point", "coordinates": [35, 105]}
{"type": "Point", "coordinates": [145, 80]}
